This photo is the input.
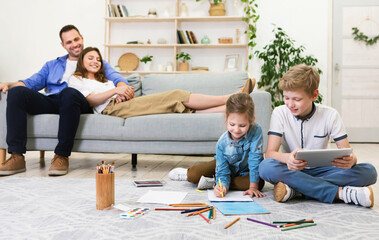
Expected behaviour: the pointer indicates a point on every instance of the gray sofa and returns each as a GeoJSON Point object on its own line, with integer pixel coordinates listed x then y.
{"type": "Point", "coordinates": [152, 134]}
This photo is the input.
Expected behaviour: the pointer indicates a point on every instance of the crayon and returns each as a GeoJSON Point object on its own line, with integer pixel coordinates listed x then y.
{"type": "Point", "coordinates": [299, 226]}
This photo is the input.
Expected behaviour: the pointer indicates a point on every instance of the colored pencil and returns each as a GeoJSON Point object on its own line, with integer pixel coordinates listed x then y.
{"type": "Point", "coordinates": [214, 212]}
{"type": "Point", "coordinates": [287, 222]}
{"type": "Point", "coordinates": [201, 211]}
{"type": "Point", "coordinates": [299, 226]}
{"type": "Point", "coordinates": [222, 193]}
{"type": "Point", "coordinates": [194, 210]}
{"type": "Point", "coordinates": [294, 224]}
{"type": "Point", "coordinates": [171, 209]}
{"type": "Point", "coordinates": [268, 224]}
{"type": "Point", "coordinates": [205, 218]}
{"type": "Point", "coordinates": [230, 224]}
{"type": "Point", "coordinates": [181, 204]}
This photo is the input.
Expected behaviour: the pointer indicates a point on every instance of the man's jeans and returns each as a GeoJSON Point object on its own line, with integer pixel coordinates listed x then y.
{"type": "Point", "coordinates": [69, 104]}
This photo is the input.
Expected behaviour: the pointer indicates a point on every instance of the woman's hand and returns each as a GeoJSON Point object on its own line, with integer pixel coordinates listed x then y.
{"type": "Point", "coordinates": [217, 190]}
{"type": "Point", "coordinates": [346, 162]}
{"type": "Point", "coordinates": [295, 164]}
{"type": "Point", "coordinates": [124, 93]}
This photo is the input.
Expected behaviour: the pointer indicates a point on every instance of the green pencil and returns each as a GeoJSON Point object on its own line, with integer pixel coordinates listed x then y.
{"type": "Point", "coordinates": [299, 226]}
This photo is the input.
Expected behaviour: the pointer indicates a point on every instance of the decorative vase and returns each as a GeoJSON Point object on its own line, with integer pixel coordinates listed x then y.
{"type": "Point", "coordinates": [147, 67]}
{"type": "Point", "coordinates": [217, 9]}
{"type": "Point", "coordinates": [184, 66]}
{"type": "Point", "coordinates": [205, 40]}
{"type": "Point", "coordinates": [183, 10]}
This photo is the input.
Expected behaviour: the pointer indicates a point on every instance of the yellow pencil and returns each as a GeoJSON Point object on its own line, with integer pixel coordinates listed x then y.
{"type": "Point", "coordinates": [219, 181]}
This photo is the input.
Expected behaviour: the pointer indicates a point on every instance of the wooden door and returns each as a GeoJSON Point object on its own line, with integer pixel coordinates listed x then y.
{"type": "Point", "coordinates": [355, 86]}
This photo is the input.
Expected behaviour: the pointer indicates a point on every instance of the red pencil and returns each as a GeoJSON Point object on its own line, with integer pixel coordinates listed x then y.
{"type": "Point", "coordinates": [204, 218]}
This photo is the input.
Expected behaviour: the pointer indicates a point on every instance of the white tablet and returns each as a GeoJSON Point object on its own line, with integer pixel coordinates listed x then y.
{"type": "Point", "coordinates": [322, 157]}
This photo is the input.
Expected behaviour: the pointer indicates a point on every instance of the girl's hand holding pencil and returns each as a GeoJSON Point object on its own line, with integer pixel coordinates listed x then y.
{"type": "Point", "coordinates": [219, 192]}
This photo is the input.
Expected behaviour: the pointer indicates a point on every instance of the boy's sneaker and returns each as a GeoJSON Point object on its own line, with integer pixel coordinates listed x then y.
{"type": "Point", "coordinates": [283, 193]}
{"type": "Point", "coordinates": [14, 164]}
{"type": "Point", "coordinates": [363, 196]}
{"type": "Point", "coordinates": [178, 174]}
{"type": "Point", "coordinates": [205, 183]}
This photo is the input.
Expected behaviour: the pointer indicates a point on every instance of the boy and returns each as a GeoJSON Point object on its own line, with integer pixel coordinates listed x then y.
{"type": "Point", "coordinates": [301, 124]}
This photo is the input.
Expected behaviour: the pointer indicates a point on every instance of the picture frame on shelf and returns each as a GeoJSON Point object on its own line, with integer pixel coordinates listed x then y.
{"type": "Point", "coordinates": [231, 63]}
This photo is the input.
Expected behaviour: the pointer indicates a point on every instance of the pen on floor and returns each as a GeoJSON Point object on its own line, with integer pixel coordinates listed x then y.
{"type": "Point", "coordinates": [230, 224]}
{"type": "Point", "coordinates": [222, 193]}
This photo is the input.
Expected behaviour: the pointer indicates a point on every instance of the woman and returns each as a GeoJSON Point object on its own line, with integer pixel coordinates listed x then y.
{"type": "Point", "coordinates": [89, 79]}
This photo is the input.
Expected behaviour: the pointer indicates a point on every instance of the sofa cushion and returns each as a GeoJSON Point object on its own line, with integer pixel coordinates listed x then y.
{"type": "Point", "coordinates": [210, 83]}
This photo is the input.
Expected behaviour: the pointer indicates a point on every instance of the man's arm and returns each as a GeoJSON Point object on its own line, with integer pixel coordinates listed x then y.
{"type": "Point", "coordinates": [4, 87]}
{"type": "Point", "coordinates": [118, 81]}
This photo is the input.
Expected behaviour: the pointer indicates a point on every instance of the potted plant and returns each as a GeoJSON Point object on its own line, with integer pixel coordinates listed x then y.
{"type": "Point", "coordinates": [183, 59]}
{"type": "Point", "coordinates": [147, 61]}
{"type": "Point", "coordinates": [278, 57]}
{"type": "Point", "coordinates": [217, 7]}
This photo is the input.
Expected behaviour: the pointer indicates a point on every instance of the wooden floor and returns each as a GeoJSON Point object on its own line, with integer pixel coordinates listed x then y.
{"type": "Point", "coordinates": [83, 165]}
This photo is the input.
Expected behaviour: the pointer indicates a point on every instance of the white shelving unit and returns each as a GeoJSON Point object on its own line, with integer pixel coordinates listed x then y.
{"type": "Point", "coordinates": [116, 25]}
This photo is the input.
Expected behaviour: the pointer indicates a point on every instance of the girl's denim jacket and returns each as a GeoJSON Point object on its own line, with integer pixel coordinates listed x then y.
{"type": "Point", "coordinates": [239, 159]}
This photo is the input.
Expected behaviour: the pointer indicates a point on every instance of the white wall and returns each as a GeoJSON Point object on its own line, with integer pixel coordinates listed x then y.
{"type": "Point", "coordinates": [30, 31]}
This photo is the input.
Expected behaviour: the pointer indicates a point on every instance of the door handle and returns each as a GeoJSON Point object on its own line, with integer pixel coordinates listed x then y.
{"type": "Point", "coordinates": [337, 69]}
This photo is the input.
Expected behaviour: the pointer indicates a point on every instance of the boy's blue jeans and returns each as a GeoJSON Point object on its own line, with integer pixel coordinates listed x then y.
{"type": "Point", "coordinates": [318, 183]}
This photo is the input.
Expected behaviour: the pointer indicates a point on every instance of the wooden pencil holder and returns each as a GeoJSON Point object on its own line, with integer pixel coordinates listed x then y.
{"type": "Point", "coordinates": [104, 190]}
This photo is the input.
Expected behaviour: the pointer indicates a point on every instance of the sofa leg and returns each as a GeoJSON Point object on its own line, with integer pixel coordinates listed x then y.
{"type": "Point", "coordinates": [3, 153]}
{"type": "Point", "coordinates": [41, 154]}
{"type": "Point", "coordinates": [134, 162]}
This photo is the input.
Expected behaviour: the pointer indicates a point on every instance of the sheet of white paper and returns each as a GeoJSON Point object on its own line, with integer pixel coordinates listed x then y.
{"type": "Point", "coordinates": [164, 197]}
{"type": "Point", "coordinates": [232, 196]}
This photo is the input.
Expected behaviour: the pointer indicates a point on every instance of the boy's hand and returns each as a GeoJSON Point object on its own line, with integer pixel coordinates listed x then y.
{"type": "Point", "coordinates": [295, 164]}
{"type": "Point", "coordinates": [346, 162]}
{"type": "Point", "coordinates": [218, 191]}
{"type": "Point", "coordinates": [254, 192]}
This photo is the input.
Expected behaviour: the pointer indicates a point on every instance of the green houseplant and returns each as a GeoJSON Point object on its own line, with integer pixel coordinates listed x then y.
{"type": "Point", "coordinates": [278, 57]}
{"type": "Point", "coordinates": [147, 61]}
{"type": "Point", "coordinates": [183, 59]}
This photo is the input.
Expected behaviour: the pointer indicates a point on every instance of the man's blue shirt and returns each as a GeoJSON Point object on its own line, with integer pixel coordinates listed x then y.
{"type": "Point", "coordinates": [239, 158]}
{"type": "Point", "coordinates": [50, 76]}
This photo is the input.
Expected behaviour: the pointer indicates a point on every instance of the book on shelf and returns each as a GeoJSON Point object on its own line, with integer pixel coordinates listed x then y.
{"type": "Point", "coordinates": [180, 39]}
{"type": "Point", "coordinates": [124, 11]}
{"type": "Point", "coordinates": [193, 37]}
{"type": "Point", "coordinates": [183, 37]}
{"type": "Point", "coordinates": [189, 37]}
{"type": "Point", "coordinates": [117, 10]}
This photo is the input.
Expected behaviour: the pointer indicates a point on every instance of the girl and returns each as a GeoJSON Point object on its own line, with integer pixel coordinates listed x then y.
{"type": "Point", "coordinates": [238, 153]}
{"type": "Point", "coordinates": [89, 79]}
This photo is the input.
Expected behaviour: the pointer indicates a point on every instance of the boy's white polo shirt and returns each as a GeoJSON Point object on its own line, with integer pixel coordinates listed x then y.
{"type": "Point", "coordinates": [311, 132]}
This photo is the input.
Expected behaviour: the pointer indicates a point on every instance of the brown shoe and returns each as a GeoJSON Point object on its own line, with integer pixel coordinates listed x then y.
{"type": "Point", "coordinates": [59, 166]}
{"type": "Point", "coordinates": [14, 164]}
{"type": "Point", "coordinates": [249, 86]}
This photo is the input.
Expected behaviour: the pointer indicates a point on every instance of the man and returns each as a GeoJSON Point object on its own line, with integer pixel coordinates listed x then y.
{"type": "Point", "coordinates": [24, 98]}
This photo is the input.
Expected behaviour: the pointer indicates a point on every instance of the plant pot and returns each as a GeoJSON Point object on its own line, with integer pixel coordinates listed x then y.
{"type": "Point", "coordinates": [217, 9]}
{"type": "Point", "coordinates": [184, 66]}
{"type": "Point", "coordinates": [147, 67]}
